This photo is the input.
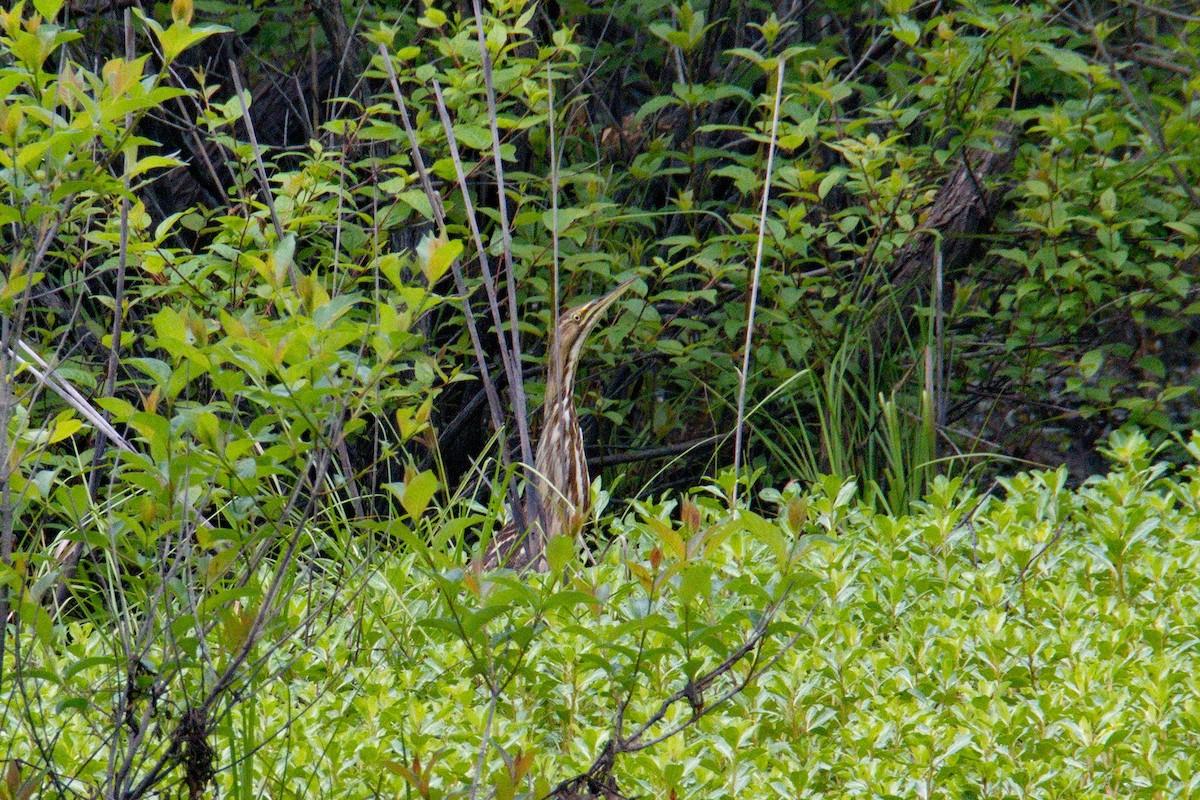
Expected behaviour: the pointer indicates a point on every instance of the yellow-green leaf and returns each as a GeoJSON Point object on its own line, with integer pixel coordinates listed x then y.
{"type": "Point", "coordinates": [418, 492]}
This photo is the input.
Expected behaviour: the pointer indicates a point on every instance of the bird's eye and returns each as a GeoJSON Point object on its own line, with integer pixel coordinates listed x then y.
{"type": "Point", "coordinates": [577, 318]}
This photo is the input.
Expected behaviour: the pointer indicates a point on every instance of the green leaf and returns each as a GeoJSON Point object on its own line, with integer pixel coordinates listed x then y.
{"type": "Point", "coordinates": [560, 550]}
{"type": "Point", "coordinates": [48, 8]}
{"type": "Point", "coordinates": [1065, 60]}
{"type": "Point", "coordinates": [155, 368]}
{"type": "Point", "coordinates": [418, 492]}
{"type": "Point", "coordinates": [417, 201]}
{"type": "Point", "coordinates": [154, 162]}
{"type": "Point", "coordinates": [281, 259]}
{"type": "Point", "coordinates": [906, 30]}
{"type": "Point", "coordinates": [695, 581]}
{"type": "Point", "coordinates": [437, 255]}
{"type": "Point", "coordinates": [1108, 203]}
{"type": "Point", "coordinates": [566, 218]}
{"type": "Point", "coordinates": [672, 542]}
{"type": "Point", "coordinates": [473, 136]}
{"type": "Point", "coordinates": [834, 177]}
{"type": "Point", "coordinates": [655, 104]}
{"type": "Point", "coordinates": [1091, 362]}
{"type": "Point", "coordinates": [179, 37]}
{"type": "Point", "coordinates": [208, 431]}
{"type": "Point", "coordinates": [155, 430]}
{"type": "Point", "coordinates": [63, 428]}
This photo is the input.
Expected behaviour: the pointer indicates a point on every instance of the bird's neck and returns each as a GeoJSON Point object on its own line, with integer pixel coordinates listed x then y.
{"type": "Point", "coordinates": [560, 379]}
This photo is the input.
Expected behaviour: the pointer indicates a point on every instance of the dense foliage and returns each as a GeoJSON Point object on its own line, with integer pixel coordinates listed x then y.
{"type": "Point", "coordinates": [980, 239]}
{"type": "Point", "coordinates": [1038, 644]}
{"type": "Point", "coordinates": [273, 280]}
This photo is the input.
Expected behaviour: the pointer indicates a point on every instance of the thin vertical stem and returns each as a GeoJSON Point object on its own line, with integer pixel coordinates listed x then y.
{"type": "Point", "coordinates": [554, 180]}
{"type": "Point", "coordinates": [516, 389]}
{"type": "Point", "coordinates": [755, 278]}
{"type": "Point", "coordinates": [489, 283]}
{"type": "Point", "coordinates": [70, 561]}
{"type": "Point", "coordinates": [7, 531]}
{"type": "Point", "coordinates": [260, 171]}
{"type": "Point", "coordinates": [937, 388]}
{"type": "Point", "coordinates": [435, 203]}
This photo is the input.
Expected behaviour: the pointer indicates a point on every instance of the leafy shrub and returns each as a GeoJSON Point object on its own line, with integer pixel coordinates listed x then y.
{"type": "Point", "coordinates": [1066, 318]}
{"type": "Point", "coordinates": [211, 581]}
{"type": "Point", "coordinates": [1035, 644]}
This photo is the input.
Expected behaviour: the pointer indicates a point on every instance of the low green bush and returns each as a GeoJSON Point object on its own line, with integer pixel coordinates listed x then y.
{"type": "Point", "coordinates": [1035, 642]}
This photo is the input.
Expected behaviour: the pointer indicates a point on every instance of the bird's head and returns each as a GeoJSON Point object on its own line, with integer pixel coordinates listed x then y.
{"type": "Point", "coordinates": [575, 324]}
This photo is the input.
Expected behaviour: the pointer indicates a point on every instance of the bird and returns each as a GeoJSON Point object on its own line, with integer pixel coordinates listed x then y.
{"type": "Point", "coordinates": [561, 487]}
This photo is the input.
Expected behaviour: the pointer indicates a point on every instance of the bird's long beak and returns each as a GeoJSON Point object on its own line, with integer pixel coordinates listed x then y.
{"type": "Point", "coordinates": [593, 311]}
{"type": "Point", "coordinates": [600, 304]}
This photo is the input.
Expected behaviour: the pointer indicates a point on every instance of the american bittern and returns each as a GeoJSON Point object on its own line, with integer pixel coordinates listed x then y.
{"type": "Point", "coordinates": [561, 486]}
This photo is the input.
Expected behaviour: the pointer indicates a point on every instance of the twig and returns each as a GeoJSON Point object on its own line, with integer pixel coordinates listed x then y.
{"type": "Point", "coordinates": [744, 377]}
{"type": "Point", "coordinates": [261, 171]}
{"type": "Point", "coordinates": [516, 391]}
{"type": "Point", "coordinates": [484, 744]}
{"type": "Point", "coordinates": [600, 772]}
{"type": "Point", "coordinates": [318, 463]}
{"type": "Point", "coordinates": [1166, 12]}
{"type": "Point", "coordinates": [47, 375]}
{"type": "Point", "coordinates": [650, 453]}
{"type": "Point", "coordinates": [936, 375]}
{"type": "Point", "coordinates": [554, 178]}
{"type": "Point", "coordinates": [1148, 122]}
{"type": "Point", "coordinates": [510, 359]}
{"type": "Point", "coordinates": [435, 202]}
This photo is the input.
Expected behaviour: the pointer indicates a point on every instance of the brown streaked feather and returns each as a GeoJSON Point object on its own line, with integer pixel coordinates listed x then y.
{"type": "Point", "coordinates": [562, 487]}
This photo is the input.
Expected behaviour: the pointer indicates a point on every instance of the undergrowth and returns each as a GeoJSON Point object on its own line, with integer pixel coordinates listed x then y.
{"type": "Point", "coordinates": [1035, 642]}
